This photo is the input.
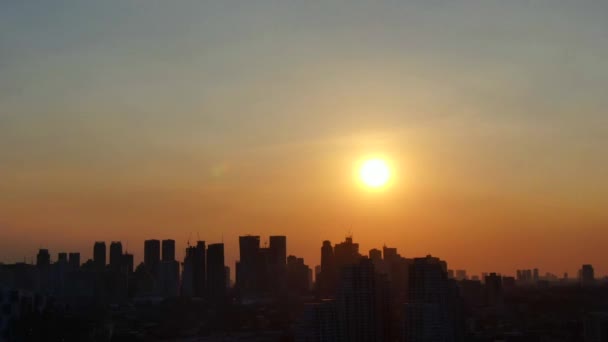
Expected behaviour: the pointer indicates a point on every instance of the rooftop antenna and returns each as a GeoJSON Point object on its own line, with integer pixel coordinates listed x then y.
{"type": "Point", "coordinates": [189, 236]}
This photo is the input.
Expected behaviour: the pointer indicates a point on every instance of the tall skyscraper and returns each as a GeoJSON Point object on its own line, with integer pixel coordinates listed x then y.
{"type": "Point", "coordinates": [363, 305]}
{"type": "Point", "coordinates": [216, 277]}
{"type": "Point", "coordinates": [298, 275]}
{"type": "Point", "coordinates": [429, 313]}
{"type": "Point", "coordinates": [188, 289]}
{"type": "Point", "coordinates": [168, 250]}
{"type": "Point", "coordinates": [152, 255]}
{"type": "Point", "coordinates": [115, 255]}
{"type": "Point", "coordinates": [277, 264]}
{"type": "Point", "coordinates": [99, 255]}
{"type": "Point", "coordinates": [199, 269]}
{"type": "Point", "coordinates": [74, 260]}
{"type": "Point", "coordinates": [62, 258]}
{"type": "Point", "coordinates": [247, 276]}
{"type": "Point", "coordinates": [346, 253]}
{"type": "Point", "coordinates": [43, 259]}
{"type": "Point", "coordinates": [587, 275]}
{"type": "Point", "coordinates": [326, 281]}
{"type": "Point", "coordinates": [126, 263]}
{"type": "Point", "coordinates": [494, 291]}
{"type": "Point", "coordinates": [278, 250]}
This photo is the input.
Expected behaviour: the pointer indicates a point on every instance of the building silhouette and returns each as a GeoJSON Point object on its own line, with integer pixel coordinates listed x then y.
{"type": "Point", "coordinates": [74, 260]}
{"type": "Point", "coordinates": [430, 312]}
{"type": "Point", "coordinates": [247, 276]}
{"type": "Point", "coordinates": [587, 275]}
{"type": "Point", "coordinates": [99, 255]}
{"type": "Point", "coordinates": [116, 255]}
{"type": "Point", "coordinates": [168, 250]}
{"type": "Point", "coordinates": [363, 303]}
{"type": "Point", "coordinates": [199, 269]}
{"type": "Point", "coordinates": [187, 285]}
{"type": "Point", "coordinates": [216, 272]}
{"type": "Point", "coordinates": [126, 263]}
{"type": "Point", "coordinates": [327, 275]}
{"type": "Point", "coordinates": [277, 263]}
{"type": "Point", "coordinates": [43, 259]}
{"type": "Point", "coordinates": [152, 256]}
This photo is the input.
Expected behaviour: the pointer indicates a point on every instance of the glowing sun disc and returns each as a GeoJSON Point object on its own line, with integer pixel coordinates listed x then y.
{"type": "Point", "coordinates": [374, 173]}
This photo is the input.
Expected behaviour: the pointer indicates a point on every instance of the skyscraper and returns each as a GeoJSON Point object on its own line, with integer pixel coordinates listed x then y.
{"type": "Point", "coordinates": [278, 250]}
{"type": "Point", "coordinates": [99, 255]}
{"type": "Point", "coordinates": [362, 303]}
{"type": "Point", "coordinates": [43, 259]}
{"type": "Point", "coordinates": [247, 277]}
{"type": "Point", "coordinates": [216, 277]}
{"type": "Point", "coordinates": [188, 272]}
{"type": "Point", "coordinates": [277, 263]}
{"type": "Point", "coordinates": [346, 253]}
{"type": "Point", "coordinates": [298, 275]}
{"type": "Point", "coordinates": [199, 269]}
{"type": "Point", "coordinates": [326, 281]}
{"type": "Point", "coordinates": [152, 255]}
{"type": "Point", "coordinates": [74, 260]}
{"type": "Point", "coordinates": [169, 271]}
{"type": "Point", "coordinates": [429, 314]}
{"type": "Point", "coordinates": [587, 275]}
{"type": "Point", "coordinates": [126, 263]}
{"type": "Point", "coordinates": [168, 250]}
{"type": "Point", "coordinates": [494, 291]}
{"type": "Point", "coordinates": [62, 258]}
{"type": "Point", "coordinates": [115, 255]}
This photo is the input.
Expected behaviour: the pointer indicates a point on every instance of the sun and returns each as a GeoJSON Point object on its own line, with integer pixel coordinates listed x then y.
{"type": "Point", "coordinates": [374, 173]}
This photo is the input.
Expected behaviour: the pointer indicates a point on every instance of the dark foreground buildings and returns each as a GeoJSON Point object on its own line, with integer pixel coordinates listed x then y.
{"type": "Point", "coordinates": [374, 296]}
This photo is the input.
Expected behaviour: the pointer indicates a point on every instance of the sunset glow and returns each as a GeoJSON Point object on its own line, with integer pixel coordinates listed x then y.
{"type": "Point", "coordinates": [375, 173]}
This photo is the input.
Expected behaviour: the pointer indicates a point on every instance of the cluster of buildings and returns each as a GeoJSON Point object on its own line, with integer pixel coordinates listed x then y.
{"type": "Point", "coordinates": [381, 297]}
{"type": "Point", "coordinates": [378, 296]}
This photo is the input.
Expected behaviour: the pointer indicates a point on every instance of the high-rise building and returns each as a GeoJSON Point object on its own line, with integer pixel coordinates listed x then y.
{"type": "Point", "coordinates": [298, 275]}
{"type": "Point", "coordinates": [461, 275]}
{"type": "Point", "coordinates": [247, 278]}
{"type": "Point", "coordinates": [278, 250]}
{"type": "Point", "coordinates": [74, 260]}
{"type": "Point", "coordinates": [346, 253]}
{"type": "Point", "coordinates": [43, 259]}
{"type": "Point", "coordinates": [429, 312]}
{"type": "Point", "coordinates": [326, 280]}
{"type": "Point", "coordinates": [99, 255]}
{"type": "Point", "coordinates": [363, 305]}
{"type": "Point", "coordinates": [168, 250]}
{"type": "Point", "coordinates": [587, 275]}
{"type": "Point", "coordinates": [126, 263]}
{"type": "Point", "coordinates": [199, 269]}
{"type": "Point", "coordinates": [277, 264]}
{"type": "Point", "coordinates": [62, 258]}
{"type": "Point", "coordinates": [375, 254]}
{"type": "Point", "coordinates": [169, 279]}
{"type": "Point", "coordinates": [152, 255]}
{"type": "Point", "coordinates": [494, 291]}
{"type": "Point", "coordinates": [216, 272]}
{"type": "Point", "coordinates": [187, 289]}
{"type": "Point", "coordinates": [116, 255]}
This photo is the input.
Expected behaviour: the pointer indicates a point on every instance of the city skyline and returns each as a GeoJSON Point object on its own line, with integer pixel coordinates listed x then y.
{"type": "Point", "coordinates": [178, 253]}
{"type": "Point", "coordinates": [130, 120]}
